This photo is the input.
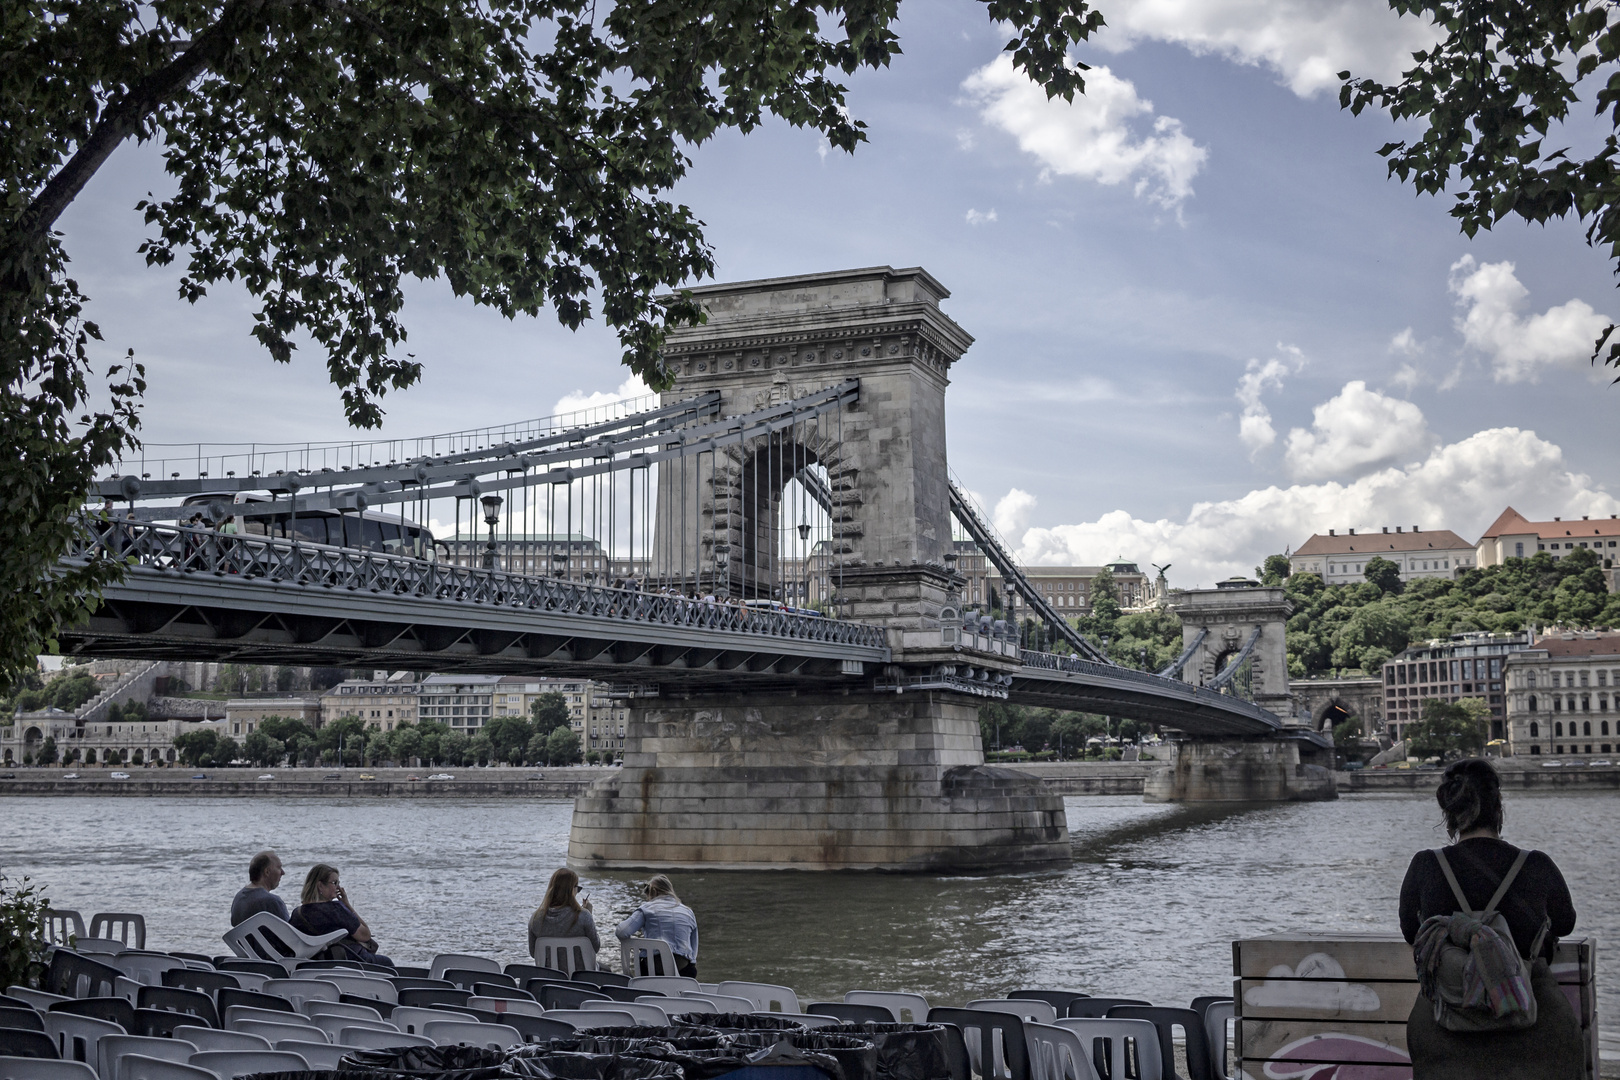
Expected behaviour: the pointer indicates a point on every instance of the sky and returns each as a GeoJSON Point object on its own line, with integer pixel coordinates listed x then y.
{"type": "Point", "coordinates": [1207, 325]}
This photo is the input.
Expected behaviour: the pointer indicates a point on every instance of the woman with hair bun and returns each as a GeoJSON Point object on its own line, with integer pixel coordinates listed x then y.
{"type": "Point", "coordinates": [1470, 797]}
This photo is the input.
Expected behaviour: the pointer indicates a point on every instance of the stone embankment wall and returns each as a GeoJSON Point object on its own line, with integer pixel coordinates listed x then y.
{"type": "Point", "coordinates": [1090, 777]}
{"type": "Point", "coordinates": [1515, 777]}
{"type": "Point", "coordinates": [244, 783]}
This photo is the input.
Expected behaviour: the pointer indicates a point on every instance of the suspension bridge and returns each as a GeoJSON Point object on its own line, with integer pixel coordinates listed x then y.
{"type": "Point", "coordinates": [764, 553]}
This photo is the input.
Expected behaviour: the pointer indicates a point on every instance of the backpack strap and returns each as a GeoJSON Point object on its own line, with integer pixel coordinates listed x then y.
{"type": "Point", "coordinates": [1451, 879]}
{"type": "Point", "coordinates": [1501, 890]}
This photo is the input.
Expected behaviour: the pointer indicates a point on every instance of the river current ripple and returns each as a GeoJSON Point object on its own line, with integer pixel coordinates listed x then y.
{"type": "Point", "coordinates": [1149, 908]}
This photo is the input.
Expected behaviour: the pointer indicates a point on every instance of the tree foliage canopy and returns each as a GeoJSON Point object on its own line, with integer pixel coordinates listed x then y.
{"type": "Point", "coordinates": [321, 153]}
{"type": "Point", "coordinates": [1492, 98]}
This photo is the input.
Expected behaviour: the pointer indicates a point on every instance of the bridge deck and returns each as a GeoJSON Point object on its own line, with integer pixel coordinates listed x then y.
{"type": "Point", "coordinates": [1068, 682]}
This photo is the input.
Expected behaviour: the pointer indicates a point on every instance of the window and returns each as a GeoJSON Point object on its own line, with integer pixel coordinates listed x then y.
{"type": "Point", "coordinates": [1532, 704]}
{"type": "Point", "coordinates": [1583, 678]}
{"type": "Point", "coordinates": [1558, 730]}
{"type": "Point", "coordinates": [1586, 728]}
{"type": "Point", "coordinates": [1530, 680]}
{"type": "Point", "coordinates": [1518, 550]}
{"type": "Point", "coordinates": [1535, 729]}
{"type": "Point", "coordinates": [1603, 678]}
{"type": "Point", "coordinates": [1604, 728]}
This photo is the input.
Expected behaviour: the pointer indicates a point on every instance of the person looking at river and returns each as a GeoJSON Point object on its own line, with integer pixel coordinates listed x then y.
{"type": "Point", "coordinates": [562, 914]}
{"type": "Point", "coordinates": [326, 907]}
{"type": "Point", "coordinates": [1537, 900]}
{"type": "Point", "coordinates": [264, 874]}
{"type": "Point", "coordinates": [662, 915]}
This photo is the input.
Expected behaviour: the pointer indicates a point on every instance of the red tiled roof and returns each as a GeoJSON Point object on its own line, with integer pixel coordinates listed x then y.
{"type": "Point", "coordinates": [1378, 543]}
{"type": "Point", "coordinates": [1512, 522]}
{"type": "Point", "coordinates": [1580, 645]}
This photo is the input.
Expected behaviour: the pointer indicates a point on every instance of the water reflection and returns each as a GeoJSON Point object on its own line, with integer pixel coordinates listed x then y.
{"type": "Point", "coordinates": [1149, 908]}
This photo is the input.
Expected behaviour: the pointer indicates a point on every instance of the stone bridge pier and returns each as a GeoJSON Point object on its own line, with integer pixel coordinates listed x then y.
{"type": "Point", "coordinates": [1236, 634]}
{"type": "Point", "coordinates": [883, 772]}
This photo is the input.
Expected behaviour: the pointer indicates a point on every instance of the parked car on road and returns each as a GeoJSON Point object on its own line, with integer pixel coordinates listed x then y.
{"type": "Point", "coordinates": [118, 776]}
{"type": "Point", "coordinates": [200, 776]}
{"type": "Point", "coordinates": [441, 776]}
{"type": "Point", "coordinates": [368, 776]}
{"type": "Point", "coordinates": [70, 776]}
{"type": "Point", "coordinates": [267, 776]}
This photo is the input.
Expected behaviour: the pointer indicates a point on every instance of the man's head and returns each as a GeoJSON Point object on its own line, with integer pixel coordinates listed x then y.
{"type": "Point", "coordinates": [265, 870]}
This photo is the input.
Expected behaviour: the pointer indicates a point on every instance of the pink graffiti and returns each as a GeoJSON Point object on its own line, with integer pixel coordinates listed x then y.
{"type": "Point", "coordinates": [1358, 1059]}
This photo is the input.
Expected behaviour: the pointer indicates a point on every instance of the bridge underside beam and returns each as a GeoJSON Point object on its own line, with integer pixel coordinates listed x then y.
{"type": "Point", "coordinates": [317, 627]}
{"type": "Point", "coordinates": [1166, 705]}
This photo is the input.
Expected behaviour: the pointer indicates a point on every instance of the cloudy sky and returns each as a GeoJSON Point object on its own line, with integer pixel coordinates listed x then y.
{"type": "Point", "coordinates": [1206, 323]}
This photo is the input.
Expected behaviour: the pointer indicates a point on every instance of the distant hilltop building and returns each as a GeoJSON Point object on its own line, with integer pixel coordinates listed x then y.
{"type": "Point", "coordinates": [1341, 558]}
{"type": "Point", "coordinates": [1514, 536]}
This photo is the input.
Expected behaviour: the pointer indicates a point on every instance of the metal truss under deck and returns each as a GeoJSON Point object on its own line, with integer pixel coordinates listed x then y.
{"type": "Point", "coordinates": [1068, 682]}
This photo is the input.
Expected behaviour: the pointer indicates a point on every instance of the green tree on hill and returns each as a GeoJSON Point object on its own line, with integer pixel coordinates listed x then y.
{"type": "Point", "coordinates": [1384, 574]}
{"type": "Point", "coordinates": [1274, 571]}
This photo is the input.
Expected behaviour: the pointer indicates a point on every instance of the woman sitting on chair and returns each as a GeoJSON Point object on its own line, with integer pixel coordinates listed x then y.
{"type": "Point", "coordinates": [562, 914]}
{"type": "Point", "coordinates": [662, 915]}
{"type": "Point", "coordinates": [326, 907]}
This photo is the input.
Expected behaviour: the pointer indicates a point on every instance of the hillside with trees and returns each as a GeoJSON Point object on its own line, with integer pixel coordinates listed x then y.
{"type": "Point", "coordinates": [1338, 628]}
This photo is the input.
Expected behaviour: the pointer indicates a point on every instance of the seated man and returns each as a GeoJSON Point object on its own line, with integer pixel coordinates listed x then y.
{"type": "Point", "coordinates": [264, 874]}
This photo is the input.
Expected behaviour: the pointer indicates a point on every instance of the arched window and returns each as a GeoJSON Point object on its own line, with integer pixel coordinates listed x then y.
{"type": "Point", "coordinates": [1532, 702]}
{"type": "Point", "coordinates": [1535, 729]}
{"type": "Point", "coordinates": [1558, 730]}
{"type": "Point", "coordinates": [1605, 728]}
{"type": "Point", "coordinates": [1530, 680]}
{"type": "Point", "coordinates": [1587, 728]}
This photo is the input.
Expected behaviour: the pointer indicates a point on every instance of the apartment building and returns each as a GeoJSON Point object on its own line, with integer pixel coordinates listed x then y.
{"type": "Point", "coordinates": [1341, 557]}
{"type": "Point", "coordinates": [1463, 666]}
{"type": "Point", "coordinates": [596, 713]}
{"type": "Point", "coordinates": [464, 703]}
{"type": "Point", "coordinates": [1564, 695]}
{"type": "Point", "coordinates": [383, 703]}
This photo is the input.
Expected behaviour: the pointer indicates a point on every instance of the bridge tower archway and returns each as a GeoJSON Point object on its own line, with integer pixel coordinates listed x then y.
{"type": "Point", "coordinates": [1238, 622]}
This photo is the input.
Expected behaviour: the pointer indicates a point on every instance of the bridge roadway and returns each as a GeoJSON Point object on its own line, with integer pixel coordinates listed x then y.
{"type": "Point", "coordinates": [201, 595]}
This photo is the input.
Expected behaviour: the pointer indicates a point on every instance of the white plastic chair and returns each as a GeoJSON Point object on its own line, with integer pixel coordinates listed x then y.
{"type": "Point", "coordinates": [765, 996]}
{"type": "Point", "coordinates": [319, 1055]}
{"type": "Point", "coordinates": [644, 1012]}
{"type": "Point", "coordinates": [905, 1008]}
{"type": "Point", "coordinates": [264, 937]}
{"type": "Point", "coordinates": [229, 1063]}
{"type": "Point", "coordinates": [113, 1048]}
{"type": "Point", "coordinates": [141, 1067]}
{"type": "Point", "coordinates": [128, 989]}
{"type": "Point", "coordinates": [315, 1007]}
{"type": "Point", "coordinates": [299, 991]}
{"type": "Point", "coordinates": [472, 1033]}
{"type": "Point", "coordinates": [568, 954]}
{"type": "Point", "coordinates": [57, 924]}
{"type": "Point", "coordinates": [506, 1005]}
{"type": "Point", "coordinates": [1029, 1011]}
{"type": "Point", "coordinates": [207, 1038]}
{"type": "Point", "coordinates": [410, 1018]}
{"type": "Point", "coordinates": [121, 926]}
{"type": "Point", "coordinates": [235, 1014]}
{"type": "Point", "coordinates": [592, 1018]}
{"type": "Point", "coordinates": [332, 1025]}
{"type": "Point", "coordinates": [1215, 1019]}
{"type": "Point", "coordinates": [362, 1038]}
{"type": "Point", "coordinates": [109, 946]}
{"type": "Point", "coordinates": [1057, 1053]}
{"type": "Point", "coordinates": [1149, 1062]}
{"type": "Point", "coordinates": [38, 999]}
{"type": "Point", "coordinates": [673, 985]}
{"type": "Point", "coordinates": [274, 1033]}
{"type": "Point", "coordinates": [720, 1003]}
{"type": "Point", "coordinates": [145, 968]}
{"type": "Point", "coordinates": [76, 1036]}
{"type": "Point", "coordinates": [809, 1020]}
{"type": "Point", "coordinates": [25, 1068]}
{"type": "Point", "coordinates": [357, 985]}
{"type": "Point", "coordinates": [445, 961]}
{"type": "Point", "coordinates": [654, 953]}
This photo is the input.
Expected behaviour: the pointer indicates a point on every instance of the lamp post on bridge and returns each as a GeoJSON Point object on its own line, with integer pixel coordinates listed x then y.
{"type": "Point", "coordinates": [492, 518]}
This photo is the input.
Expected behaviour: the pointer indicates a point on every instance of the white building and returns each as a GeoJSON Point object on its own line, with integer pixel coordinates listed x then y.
{"type": "Point", "coordinates": [462, 702]}
{"type": "Point", "coordinates": [1564, 695]}
{"type": "Point", "coordinates": [1341, 558]}
{"type": "Point", "coordinates": [1512, 535]}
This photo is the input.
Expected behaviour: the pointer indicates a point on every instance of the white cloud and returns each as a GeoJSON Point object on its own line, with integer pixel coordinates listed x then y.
{"type": "Point", "coordinates": [1254, 427]}
{"type": "Point", "coordinates": [974, 217]}
{"type": "Point", "coordinates": [1307, 42]}
{"type": "Point", "coordinates": [579, 400]}
{"type": "Point", "coordinates": [1355, 430]}
{"type": "Point", "coordinates": [1517, 346]}
{"type": "Point", "coordinates": [1095, 136]}
{"type": "Point", "coordinates": [1407, 378]}
{"type": "Point", "coordinates": [1406, 343]}
{"type": "Point", "coordinates": [1460, 486]}
{"type": "Point", "coordinates": [1012, 514]}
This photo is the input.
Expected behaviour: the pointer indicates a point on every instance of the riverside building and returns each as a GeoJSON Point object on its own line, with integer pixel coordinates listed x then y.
{"type": "Point", "coordinates": [1464, 666]}
{"type": "Point", "coordinates": [463, 703]}
{"type": "Point", "coordinates": [1564, 695]}
{"type": "Point", "coordinates": [383, 703]}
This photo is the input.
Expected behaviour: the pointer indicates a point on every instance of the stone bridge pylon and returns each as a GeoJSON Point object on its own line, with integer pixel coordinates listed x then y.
{"type": "Point", "coordinates": [888, 775]}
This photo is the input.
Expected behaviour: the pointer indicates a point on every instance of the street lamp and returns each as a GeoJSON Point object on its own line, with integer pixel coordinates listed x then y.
{"type": "Point", "coordinates": [492, 518]}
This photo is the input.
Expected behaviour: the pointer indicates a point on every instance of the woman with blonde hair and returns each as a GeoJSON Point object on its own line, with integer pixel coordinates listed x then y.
{"type": "Point", "coordinates": [663, 916]}
{"type": "Point", "coordinates": [562, 914]}
{"type": "Point", "coordinates": [324, 907]}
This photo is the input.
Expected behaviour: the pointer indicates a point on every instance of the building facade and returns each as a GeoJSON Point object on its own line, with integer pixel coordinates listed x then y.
{"type": "Point", "coordinates": [1068, 588]}
{"type": "Point", "coordinates": [1564, 695]}
{"type": "Point", "coordinates": [383, 704]}
{"type": "Point", "coordinates": [1341, 558]}
{"type": "Point", "coordinates": [1512, 536]}
{"type": "Point", "coordinates": [596, 713]}
{"type": "Point", "coordinates": [463, 703]}
{"type": "Point", "coordinates": [243, 715]}
{"type": "Point", "coordinates": [1464, 666]}
{"type": "Point", "coordinates": [131, 742]}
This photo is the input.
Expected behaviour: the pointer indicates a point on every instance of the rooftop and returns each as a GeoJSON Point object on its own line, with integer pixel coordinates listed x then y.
{"type": "Point", "coordinates": [1377, 543]}
{"type": "Point", "coordinates": [1512, 522]}
{"type": "Point", "coordinates": [1586, 643]}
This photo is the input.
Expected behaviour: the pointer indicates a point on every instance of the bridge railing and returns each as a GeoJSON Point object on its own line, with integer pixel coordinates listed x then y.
{"type": "Point", "coordinates": [1074, 665]}
{"type": "Point", "coordinates": [178, 550]}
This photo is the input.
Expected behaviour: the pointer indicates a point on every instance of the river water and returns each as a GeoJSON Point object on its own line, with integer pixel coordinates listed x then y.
{"type": "Point", "coordinates": [1149, 908]}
